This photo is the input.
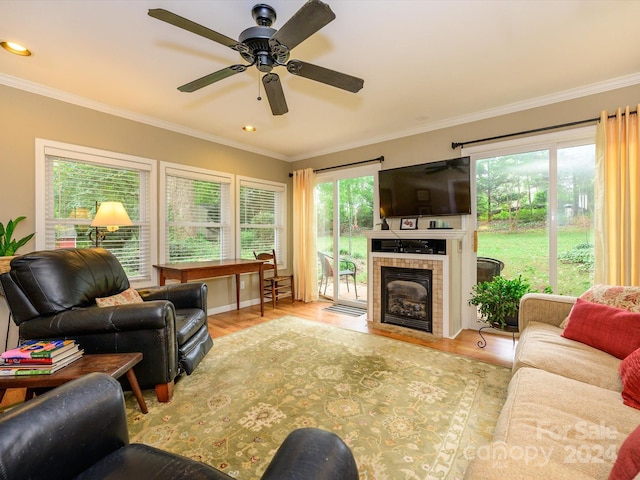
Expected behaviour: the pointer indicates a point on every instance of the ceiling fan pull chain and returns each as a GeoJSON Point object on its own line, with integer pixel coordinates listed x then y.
{"type": "Point", "coordinates": [259, 97]}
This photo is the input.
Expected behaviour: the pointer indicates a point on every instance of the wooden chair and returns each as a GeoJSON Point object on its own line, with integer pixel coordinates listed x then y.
{"type": "Point", "coordinates": [275, 286]}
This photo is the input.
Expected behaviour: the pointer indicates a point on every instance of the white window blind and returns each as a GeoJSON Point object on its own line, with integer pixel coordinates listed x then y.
{"type": "Point", "coordinates": [77, 181]}
{"type": "Point", "coordinates": [198, 214]}
{"type": "Point", "coordinates": [262, 207]}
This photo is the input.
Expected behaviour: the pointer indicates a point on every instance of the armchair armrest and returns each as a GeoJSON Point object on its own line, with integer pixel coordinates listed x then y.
{"type": "Point", "coordinates": [312, 454]}
{"type": "Point", "coordinates": [182, 295]}
{"type": "Point", "coordinates": [153, 315]}
{"type": "Point", "coordinates": [64, 431]}
{"type": "Point", "coordinates": [544, 308]}
{"type": "Point", "coordinates": [348, 265]}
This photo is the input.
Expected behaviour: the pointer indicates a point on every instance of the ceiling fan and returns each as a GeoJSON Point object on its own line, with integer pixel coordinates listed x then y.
{"type": "Point", "coordinates": [267, 48]}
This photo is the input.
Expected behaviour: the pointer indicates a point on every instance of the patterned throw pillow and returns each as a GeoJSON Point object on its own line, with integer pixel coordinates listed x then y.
{"type": "Point", "coordinates": [130, 295]}
{"type": "Point", "coordinates": [619, 297]}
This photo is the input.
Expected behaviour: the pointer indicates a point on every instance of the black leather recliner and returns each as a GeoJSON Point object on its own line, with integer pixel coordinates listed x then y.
{"type": "Point", "coordinates": [51, 294]}
{"type": "Point", "coordinates": [79, 431]}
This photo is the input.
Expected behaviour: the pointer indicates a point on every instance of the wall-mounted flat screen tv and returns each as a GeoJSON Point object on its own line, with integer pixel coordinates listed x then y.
{"type": "Point", "coordinates": [429, 189]}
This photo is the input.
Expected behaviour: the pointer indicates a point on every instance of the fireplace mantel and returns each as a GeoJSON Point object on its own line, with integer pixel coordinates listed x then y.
{"type": "Point", "coordinates": [449, 264]}
{"type": "Point", "coordinates": [437, 233]}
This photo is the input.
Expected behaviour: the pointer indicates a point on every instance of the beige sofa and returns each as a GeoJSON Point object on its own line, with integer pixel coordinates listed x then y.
{"type": "Point", "coordinates": [564, 416]}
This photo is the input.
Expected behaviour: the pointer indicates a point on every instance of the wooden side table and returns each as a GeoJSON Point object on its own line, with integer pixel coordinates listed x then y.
{"type": "Point", "coordinates": [113, 364]}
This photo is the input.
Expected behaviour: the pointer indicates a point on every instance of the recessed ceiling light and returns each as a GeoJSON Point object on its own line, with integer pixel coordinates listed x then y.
{"type": "Point", "coordinates": [249, 128]}
{"type": "Point", "coordinates": [15, 48]}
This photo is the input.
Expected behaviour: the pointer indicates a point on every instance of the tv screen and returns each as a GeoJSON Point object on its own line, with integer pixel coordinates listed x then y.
{"type": "Point", "coordinates": [429, 189]}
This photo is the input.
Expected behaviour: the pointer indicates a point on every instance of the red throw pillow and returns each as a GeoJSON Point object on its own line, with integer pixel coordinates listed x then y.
{"type": "Point", "coordinates": [612, 330]}
{"type": "Point", "coordinates": [627, 464]}
{"type": "Point", "coordinates": [630, 375]}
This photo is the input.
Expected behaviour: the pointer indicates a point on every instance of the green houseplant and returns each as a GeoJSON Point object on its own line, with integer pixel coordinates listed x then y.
{"type": "Point", "coordinates": [8, 244]}
{"type": "Point", "coordinates": [499, 300]}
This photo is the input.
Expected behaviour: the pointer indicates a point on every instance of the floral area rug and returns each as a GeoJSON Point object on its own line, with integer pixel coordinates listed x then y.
{"type": "Point", "coordinates": [406, 411]}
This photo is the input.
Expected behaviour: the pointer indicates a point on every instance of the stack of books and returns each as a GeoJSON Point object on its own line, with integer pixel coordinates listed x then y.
{"type": "Point", "coordinates": [39, 357]}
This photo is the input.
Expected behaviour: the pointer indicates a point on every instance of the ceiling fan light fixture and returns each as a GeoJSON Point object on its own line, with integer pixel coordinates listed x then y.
{"type": "Point", "coordinates": [266, 48]}
{"type": "Point", "coordinates": [15, 48]}
{"type": "Point", "coordinates": [249, 128]}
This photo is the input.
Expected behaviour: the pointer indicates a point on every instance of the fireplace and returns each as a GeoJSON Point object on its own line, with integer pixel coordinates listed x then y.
{"type": "Point", "coordinates": [407, 298]}
{"type": "Point", "coordinates": [436, 251]}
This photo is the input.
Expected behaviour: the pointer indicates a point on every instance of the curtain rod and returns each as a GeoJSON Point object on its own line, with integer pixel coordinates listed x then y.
{"type": "Point", "coordinates": [379, 159]}
{"type": "Point", "coordinates": [455, 145]}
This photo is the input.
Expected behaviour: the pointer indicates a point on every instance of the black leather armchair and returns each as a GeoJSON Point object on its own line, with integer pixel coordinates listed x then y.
{"type": "Point", "coordinates": [79, 431]}
{"type": "Point", "coordinates": [51, 294]}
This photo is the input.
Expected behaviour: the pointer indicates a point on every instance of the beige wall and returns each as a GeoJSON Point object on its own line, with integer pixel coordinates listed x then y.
{"type": "Point", "coordinates": [26, 116]}
{"type": "Point", "coordinates": [436, 145]}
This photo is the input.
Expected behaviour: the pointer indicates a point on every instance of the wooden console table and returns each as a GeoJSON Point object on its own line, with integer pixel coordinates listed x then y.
{"type": "Point", "coordinates": [185, 272]}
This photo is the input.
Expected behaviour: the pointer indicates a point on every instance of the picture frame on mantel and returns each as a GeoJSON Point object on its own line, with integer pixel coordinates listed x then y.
{"type": "Point", "coordinates": [409, 223]}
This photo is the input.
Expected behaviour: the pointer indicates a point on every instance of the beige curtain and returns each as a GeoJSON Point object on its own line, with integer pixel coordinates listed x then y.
{"type": "Point", "coordinates": [305, 262]}
{"type": "Point", "coordinates": [617, 200]}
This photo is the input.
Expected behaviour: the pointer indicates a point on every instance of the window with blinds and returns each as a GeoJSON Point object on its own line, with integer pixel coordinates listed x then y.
{"type": "Point", "coordinates": [197, 214]}
{"type": "Point", "coordinates": [76, 182]}
{"type": "Point", "coordinates": [261, 211]}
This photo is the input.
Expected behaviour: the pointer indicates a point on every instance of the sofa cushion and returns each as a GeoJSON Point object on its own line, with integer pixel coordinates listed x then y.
{"type": "Point", "coordinates": [610, 329]}
{"type": "Point", "coordinates": [542, 346]}
{"type": "Point", "coordinates": [563, 421]}
{"type": "Point", "coordinates": [630, 376]}
{"type": "Point", "coordinates": [130, 295]}
{"type": "Point", "coordinates": [627, 464]}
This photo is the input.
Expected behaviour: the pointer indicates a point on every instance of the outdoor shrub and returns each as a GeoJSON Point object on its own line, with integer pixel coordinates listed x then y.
{"type": "Point", "coordinates": [581, 254]}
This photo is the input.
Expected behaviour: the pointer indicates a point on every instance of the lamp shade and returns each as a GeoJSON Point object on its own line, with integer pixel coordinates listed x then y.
{"type": "Point", "coordinates": [111, 214]}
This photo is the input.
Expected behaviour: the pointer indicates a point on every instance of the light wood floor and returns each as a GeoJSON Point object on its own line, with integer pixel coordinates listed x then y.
{"type": "Point", "coordinates": [499, 349]}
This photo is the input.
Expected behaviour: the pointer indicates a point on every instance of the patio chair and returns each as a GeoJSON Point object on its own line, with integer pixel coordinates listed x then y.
{"type": "Point", "coordinates": [488, 268]}
{"type": "Point", "coordinates": [350, 270]}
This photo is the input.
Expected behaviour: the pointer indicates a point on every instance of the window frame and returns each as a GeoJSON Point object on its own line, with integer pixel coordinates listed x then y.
{"type": "Point", "coordinates": [105, 158]}
{"type": "Point", "coordinates": [194, 173]}
{"type": "Point", "coordinates": [281, 232]}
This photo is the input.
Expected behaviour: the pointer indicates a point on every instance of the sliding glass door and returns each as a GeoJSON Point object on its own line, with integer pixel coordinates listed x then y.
{"type": "Point", "coordinates": [345, 207]}
{"type": "Point", "coordinates": [534, 209]}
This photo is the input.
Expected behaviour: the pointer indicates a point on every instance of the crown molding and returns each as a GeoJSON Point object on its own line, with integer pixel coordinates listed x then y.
{"type": "Point", "coordinates": [592, 89]}
{"type": "Point", "coordinates": [67, 97]}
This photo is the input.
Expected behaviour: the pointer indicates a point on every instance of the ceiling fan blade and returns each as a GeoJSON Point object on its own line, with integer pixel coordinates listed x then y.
{"type": "Point", "coordinates": [311, 17]}
{"type": "Point", "coordinates": [325, 75]}
{"type": "Point", "coordinates": [212, 78]}
{"type": "Point", "coordinates": [181, 22]}
{"type": "Point", "coordinates": [273, 89]}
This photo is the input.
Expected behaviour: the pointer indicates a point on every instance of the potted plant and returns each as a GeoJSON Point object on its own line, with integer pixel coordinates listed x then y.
{"type": "Point", "coordinates": [499, 300]}
{"type": "Point", "coordinates": [8, 244]}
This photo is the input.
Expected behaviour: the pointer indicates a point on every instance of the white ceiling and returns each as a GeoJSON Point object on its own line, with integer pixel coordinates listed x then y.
{"type": "Point", "coordinates": [426, 64]}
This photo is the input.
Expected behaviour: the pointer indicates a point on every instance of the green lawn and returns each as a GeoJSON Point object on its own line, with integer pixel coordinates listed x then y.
{"type": "Point", "coordinates": [526, 253]}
